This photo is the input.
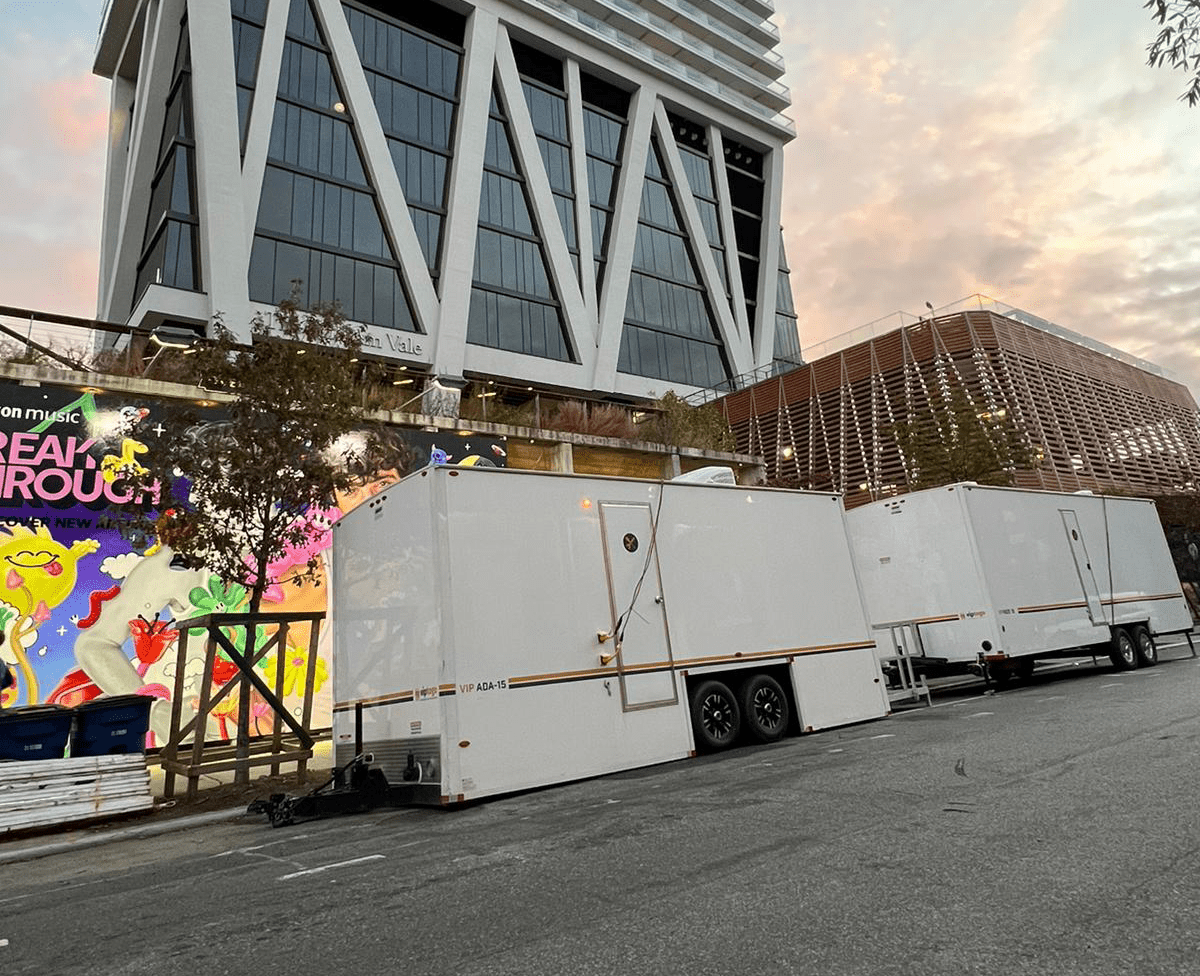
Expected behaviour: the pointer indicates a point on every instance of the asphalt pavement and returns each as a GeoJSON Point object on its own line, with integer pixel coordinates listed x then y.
{"type": "Point", "coordinates": [1046, 829]}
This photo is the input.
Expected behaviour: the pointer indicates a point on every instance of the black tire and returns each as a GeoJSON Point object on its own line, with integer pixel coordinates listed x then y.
{"type": "Point", "coordinates": [716, 718]}
{"type": "Point", "coordinates": [764, 707]}
{"type": "Point", "coordinates": [1023, 668]}
{"type": "Point", "coordinates": [1147, 650]}
{"type": "Point", "coordinates": [1123, 651]}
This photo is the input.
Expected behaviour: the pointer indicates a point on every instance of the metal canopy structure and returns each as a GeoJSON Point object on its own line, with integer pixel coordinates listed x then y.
{"type": "Point", "coordinates": [1094, 420]}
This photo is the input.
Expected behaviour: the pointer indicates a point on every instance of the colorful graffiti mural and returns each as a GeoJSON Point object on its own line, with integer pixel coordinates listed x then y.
{"type": "Point", "coordinates": [86, 611]}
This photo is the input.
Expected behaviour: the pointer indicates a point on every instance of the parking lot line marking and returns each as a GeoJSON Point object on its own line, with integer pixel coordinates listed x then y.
{"type": "Point", "coordinates": [330, 867]}
{"type": "Point", "coordinates": [981, 714]}
{"type": "Point", "coordinates": [1112, 684]}
{"type": "Point", "coordinates": [259, 847]}
{"type": "Point", "coordinates": [886, 735]}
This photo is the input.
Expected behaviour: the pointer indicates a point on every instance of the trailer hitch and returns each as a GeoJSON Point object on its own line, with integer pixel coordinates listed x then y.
{"type": "Point", "coordinates": [353, 788]}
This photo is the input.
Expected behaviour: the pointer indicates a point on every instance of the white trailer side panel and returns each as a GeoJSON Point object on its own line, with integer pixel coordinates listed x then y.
{"type": "Point", "coordinates": [838, 688]}
{"type": "Point", "coordinates": [388, 628]}
{"type": "Point", "coordinates": [1028, 571]}
{"type": "Point", "coordinates": [494, 585]}
{"type": "Point", "coordinates": [760, 568]}
{"type": "Point", "coordinates": [1063, 568]}
{"type": "Point", "coordinates": [770, 573]}
{"type": "Point", "coordinates": [529, 592]}
{"type": "Point", "coordinates": [917, 561]}
{"type": "Point", "coordinates": [1144, 576]}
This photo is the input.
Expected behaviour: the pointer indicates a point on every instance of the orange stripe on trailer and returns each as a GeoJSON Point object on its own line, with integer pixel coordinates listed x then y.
{"type": "Point", "coordinates": [561, 676]}
{"type": "Point", "coordinates": [391, 698]}
{"type": "Point", "coordinates": [1052, 606]}
{"type": "Point", "coordinates": [1111, 601]}
{"type": "Point", "coordinates": [939, 619]}
{"type": "Point", "coordinates": [783, 652]}
{"type": "Point", "coordinates": [1139, 599]}
{"type": "Point", "coordinates": [649, 667]}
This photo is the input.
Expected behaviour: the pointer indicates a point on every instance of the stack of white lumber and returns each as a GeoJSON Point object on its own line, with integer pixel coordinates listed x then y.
{"type": "Point", "coordinates": [46, 792]}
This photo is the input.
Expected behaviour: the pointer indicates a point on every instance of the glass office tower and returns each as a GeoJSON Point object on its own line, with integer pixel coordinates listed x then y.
{"type": "Point", "coordinates": [579, 195]}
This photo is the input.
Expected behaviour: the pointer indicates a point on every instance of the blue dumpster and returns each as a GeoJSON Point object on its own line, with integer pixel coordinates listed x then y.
{"type": "Point", "coordinates": [108, 726]}
{"type": "Point", "coordinates": [34, 732]}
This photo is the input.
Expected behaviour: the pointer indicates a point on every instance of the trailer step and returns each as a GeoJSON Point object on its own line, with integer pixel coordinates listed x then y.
{"type": "Point", "coordinates": [904, 642]}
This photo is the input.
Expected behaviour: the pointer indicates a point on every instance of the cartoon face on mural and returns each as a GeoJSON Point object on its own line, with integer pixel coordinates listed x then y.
{"type": "Point", "coordinates": [87, 612]}
{"type": "Point", "coordinates": [38, 571]}
{"type": "Point", "coordinates": [38, 574]}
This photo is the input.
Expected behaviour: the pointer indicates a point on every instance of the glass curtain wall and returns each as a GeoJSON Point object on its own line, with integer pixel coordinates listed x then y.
{"type": "Point", "coordinates": [170, 255]}
{"type": "Point", "coordinates": [513, 303]}
{"type": "Point", "coordinates": [413, 72]}
{"type": "Point", "coordinates": [546, 96]}
{"type": "Point", "coordinates": [669, 330]}
{"type": "Point", "coordinates": [787, 333]}
{"type": "Point", "coordinates": [318, 220]}
{"type": "Point", "coordinates": [249, 16]}
{"type": "Point", "coordinates": [605, 109]}
{"type": "Point", "coordinates": [744, 170]}
{"type": "Point", "coordinates": [692, 142]}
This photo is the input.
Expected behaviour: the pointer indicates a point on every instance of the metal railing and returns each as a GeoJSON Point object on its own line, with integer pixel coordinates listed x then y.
{"type": "Point", "coordinates": [972, 303]}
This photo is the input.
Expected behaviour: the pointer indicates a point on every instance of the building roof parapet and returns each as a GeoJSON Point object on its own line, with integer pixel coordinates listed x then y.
{"type": "Point", "coordinates": [739, 12]}
{"type": "Point", "coordinates": [975, 303]}
{"type": "Point", "coordinates": [670, 68]}
{"type": "Point", "coordinates": [116, 17]}
{"type": "Point", "coordinates": [694, 51]}
{"type": "Point", "coordinates": [895, 321]}
{"type": "Point", "coordinates": [752, 42]}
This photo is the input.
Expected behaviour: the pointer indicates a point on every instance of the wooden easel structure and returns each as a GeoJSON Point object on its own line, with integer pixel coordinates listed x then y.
{"type": "Point", "coordinates": [180, 757]}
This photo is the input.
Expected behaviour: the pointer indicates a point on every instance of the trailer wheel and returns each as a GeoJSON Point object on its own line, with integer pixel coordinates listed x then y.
{"type": "Point", "coordinates": [1123, 652]}
{"type": "Point", "coordinates": [716, 718]}
{"type": "Point", "coordinates": [764, 707]}
{"type": "Point", "coordinates": [1147, 650]}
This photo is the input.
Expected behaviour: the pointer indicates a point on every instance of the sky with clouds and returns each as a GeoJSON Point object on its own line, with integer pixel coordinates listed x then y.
{"type": "Point", "coordinates": [1018, 148]}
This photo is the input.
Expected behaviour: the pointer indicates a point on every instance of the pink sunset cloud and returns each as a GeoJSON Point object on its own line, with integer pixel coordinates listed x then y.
{"type": "Point", "coordinates": [1019, 149]}
{"type": "Point", "coordinates": [52, 167]}
{"type": "Point", "coordinates": [75, 110]}
{"type": "Point", "coordinates": [1034, 167]}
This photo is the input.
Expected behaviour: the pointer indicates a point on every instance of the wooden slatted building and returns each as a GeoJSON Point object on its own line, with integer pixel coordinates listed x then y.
{"type": "Point", "coordinates": [1094, 418]}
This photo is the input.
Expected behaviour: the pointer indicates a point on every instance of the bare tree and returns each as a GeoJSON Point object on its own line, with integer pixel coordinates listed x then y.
{"type": "Point", "coordinates": [237, 487]}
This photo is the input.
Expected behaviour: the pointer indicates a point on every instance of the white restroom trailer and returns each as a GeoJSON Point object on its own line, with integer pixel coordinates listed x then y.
{"type": "Point", "coordinates": [971, 575]}
{"type": "Point", "coordinates": [496, 630]}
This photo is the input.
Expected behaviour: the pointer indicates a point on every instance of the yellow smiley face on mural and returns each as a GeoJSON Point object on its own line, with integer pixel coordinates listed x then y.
{"type": "Point", "coordinates": [37, 572]}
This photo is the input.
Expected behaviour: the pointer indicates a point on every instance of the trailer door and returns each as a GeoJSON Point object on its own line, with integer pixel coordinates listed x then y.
{"type": "Point", "coordinates": [644, 661]}
{"type": "Point", "coordinates": [1083, 565]}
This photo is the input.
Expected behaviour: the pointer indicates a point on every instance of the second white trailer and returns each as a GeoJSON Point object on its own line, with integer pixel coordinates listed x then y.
{"type": "Point", "coordinates": [995, 577]}
{"type": "Point", "coordinates": [496, 630]}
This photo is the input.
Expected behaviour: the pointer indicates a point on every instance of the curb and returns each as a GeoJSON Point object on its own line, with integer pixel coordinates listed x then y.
{"type": "Point", "coordinates": [110, 835]}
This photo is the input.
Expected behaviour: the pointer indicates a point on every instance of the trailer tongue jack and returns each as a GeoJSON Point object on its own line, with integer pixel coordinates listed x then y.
{"type": "Point", "coordinates": [354, 788]}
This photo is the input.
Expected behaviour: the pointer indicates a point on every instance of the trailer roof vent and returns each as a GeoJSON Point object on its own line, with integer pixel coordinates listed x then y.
{"type": "Point", "coordinates": [714, 474]}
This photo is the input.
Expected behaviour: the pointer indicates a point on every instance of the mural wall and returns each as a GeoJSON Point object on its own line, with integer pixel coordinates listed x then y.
{"type": "Point", "coordinates": [85, 611]}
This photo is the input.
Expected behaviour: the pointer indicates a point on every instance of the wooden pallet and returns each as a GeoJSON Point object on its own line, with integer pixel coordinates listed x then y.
{"type": "Point", "coordinates": [48, 792]}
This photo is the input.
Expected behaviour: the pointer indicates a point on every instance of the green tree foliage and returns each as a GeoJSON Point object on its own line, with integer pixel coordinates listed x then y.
{"type": "Point", "coordinates": [1178, 42]}
{"type": "Point", "coordinates": [952, 441]}
{"type": "Point", "coordinates": [236, 491]}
